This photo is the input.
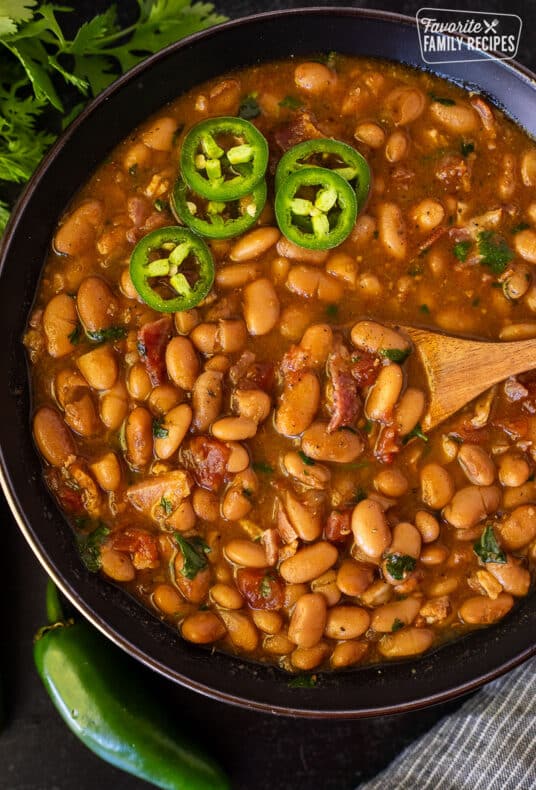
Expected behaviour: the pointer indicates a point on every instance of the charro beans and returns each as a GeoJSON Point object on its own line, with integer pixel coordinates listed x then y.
{"type": "Point", "coordinates": [456, 118]}
{"type": "Point", "coordinates": [238, 274]}
{"type": "Point", "coordinates": [346, 622]}
{"type": "Point", "coordinates": [253, 404]}
{"type": "Point", "coordinates": [207, 398]}
{"type": "Point", "coordinates": [392, 230]}
{"type": "Point", "coordinates": [310, 475]}
{"type": "Point", "coordinates": [247, 553]}
{"type": "Point", "coordinates": [385, 616]}
{"type": "Point", "coordinates": [306, 658]}
{"type": "Point", "coordinates": [117, 566]}
{"type": "Point", "coordinates": [99, 368]}
{"type": "Point", "coordinates": [409, 410]}
{"type": "Point", "coordinates": [437, 486]}
{"type": "Point", "coordinates": [202, 628]}
{"type": "Point", "coordinates": [370, 529]}
{"type": "Point", "coordinates": [298, 405]}
{"type": "Point", "coordinates": [405, 104]}
{"type": "Point", "coordinates": [97, 306]}
{"type": "Point", "coordinates": [59, 324]}
{"type": "Point", "coordinates": [384, 395]}
{"type": "Point", "coordinates": [481, 610]}
{"type": "Point", "coordinates": [254, 244]}
{"type": "Point", "coordinates": [470, 505]}
{"type": "Point", "coordinates": [234, 429]}
{"type": "Point", "coordinates": [407, 642]}
{"type": "Point", "coordinates": [519, 528]}
{"type": "Point", "coordinates": [139, 437]}
{"type": "Point", "coordinates": [53, 438]}
{"type": "Point", "coordinates": [353, 578]}
{"type": "Point", "coordinates": [375, 338]}
{"type": "Point", "coordinates": [313, 78]}
{"type": "Point", "coordinates": [172, 431]}
{"type": "Point", "coordinates": [261, 307]}
{"type": "Point", "coordinates": [477, 465]}
{"type": "Point", "coordinates": [348, 653]}
{"type": "Point", "coordinates": [309, 563]}
{"type": "Point", "coordinates": [240, 629]}
{"type": "Point", "coordinates": [306, 523]}
{"type": "Point", "coordinates": [308, 620]}
{"type": "Point", "coordinates": [339, 447]}
{"type": "Point", "coordinates": [114, 406]}
{"type": "Point", "coordinates": [182, 362]}
{"type": "Point", "coordinates": [107, 472]}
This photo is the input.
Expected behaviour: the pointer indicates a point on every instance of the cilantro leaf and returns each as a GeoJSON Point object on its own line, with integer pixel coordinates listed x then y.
{"type": "Point", "coordinates": [291, 103]}
{"type": "Point", "coordinates": [193, 551]}
{"type": "Point", "coordinates": [487, 548]}
{"type": "Point", "coordinates": [166, 505]}
{"type": "Point", "coordinates": [395, 354]}
{"type": "Point", "coordinates": [159, 430]}
{"type": "Point", "coordinates": [103, 335]}
{"type": "Point", "coordinates": [303, 682]}
{"type": "Point", "coordinates": [520, 227]}
{"type": "Point", "coordinates": [305, 458]}
{"type": "Point", "coordinates": [461, 250]}
{"type": "Point", "coordinates": [89, 547]}
{"type": "Point", "coordinates": [75, 336]}
{"type": "Point", "coordinates": [467, 148]}
{"type": "Point", "coordinates": [263, 467]}
{"type": "Point", "coordinates": [494, 251]}
{"type": "Point", "coordinates": [249, 107]}
{"type": "Point", "coordinates": [398, 565]}
{"type": "Point", "coordinates": [416, 433]}
{"type": "Point", "coordinates": [397, 625]}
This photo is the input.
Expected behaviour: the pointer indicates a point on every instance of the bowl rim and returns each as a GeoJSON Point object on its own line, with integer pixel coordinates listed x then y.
{"type": "Point", "coordinates": [17, 509]}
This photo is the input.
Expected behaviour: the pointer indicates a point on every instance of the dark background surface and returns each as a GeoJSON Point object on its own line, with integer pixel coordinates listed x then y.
{"type": "Point", "coordinates": [263, 752]}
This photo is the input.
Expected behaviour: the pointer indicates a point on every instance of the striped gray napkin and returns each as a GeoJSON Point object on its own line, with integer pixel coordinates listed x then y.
{"type": "Point", "coordinates": [489, 743]}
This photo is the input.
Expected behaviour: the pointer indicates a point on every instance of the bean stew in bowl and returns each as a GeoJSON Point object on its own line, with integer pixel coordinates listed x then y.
{"type": "Point", "coordinates": [228, 409]}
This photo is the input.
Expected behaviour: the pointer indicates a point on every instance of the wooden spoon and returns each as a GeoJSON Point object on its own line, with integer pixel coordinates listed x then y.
{"type": "Point", "coordinates": [458, 370]}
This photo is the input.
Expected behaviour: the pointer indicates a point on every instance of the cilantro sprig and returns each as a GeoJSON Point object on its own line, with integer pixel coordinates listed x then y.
{"type": "Point", "coordinates": [39, 60]}
{"type": "Point", "coordinates": [487, 548]}
{"type": "Point", "coordinates": [194, 551]}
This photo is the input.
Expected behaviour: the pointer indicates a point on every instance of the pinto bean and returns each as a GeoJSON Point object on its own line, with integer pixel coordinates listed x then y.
{"type": "Point", "coordinates": [476, 464]}
{"type": "Point", "coordinates": [253, 404]}
{"type": "Point", "coordinates": [306, 524]}
{"type": "Point", "coordinates": [370, 133]}
{"type": "Point", "coordinates": [405, 104]}
{"type": "Point", "coordinates": [481, 610]}
{"type": "Point", "coordinates": [387, 615]}
{"type": "Point", "coordinates": [326, 584]}
{"type": "Point", "coordinates": [238, 459]}
{"type": "Point", "coordinates": [59, 323]}
{"type": "Point", "coordinates": [261, 307]}
{"type": "Point", "coordinates": [278, 645]}
{"type": "Point", "coordinates": [392, 230]}
{"type": "Point", "coordinates": [317, 342]}
{"type": "Point", "coordinates": [176, 424]}
{"type": "Point", "coordinates": [99, 367]}
{"type": "Point", "coordinates": [525, 245]}
{"type": "Point", "coordinates": [455, 118]}
{"type": "Point", "coordinates": [428, 214]}
{"type": "Point", "coordinates": [309, 562]}
{"type": "Point", "coordinates": [384, 394]}
{"type": "Point", "coordinates": [163, 398]}
{"type": "Point", "coordinates": [470, 505]}
{"type": "Point", "coordinates": [202, 628]}
{"type": "Point", "coordinates": [346, 622]}
{"type": "Point", "coordinates": [77, 232]}
{"type": "Point", "coordinates": [241, 630]}
{"type": "Point", "coordinates": [137, 155]}
{"type": "Point", "coordinates": [298, 404]}
{"type": "Point", "coordinates": [353, 578]}
{"type": "Point", "coordinates": [391, 482]}
{"type": "Point", "coordinates": [234, 429]}
{"type": "Point", "coordinates": [72, 393]}
{"type": "Point", "coordinates": [246, 553]}
{"type": "Point", "coordinates": [346, 654]}
{"type": "Point", "coordinates": [182, 362]}
{"type": "Point", "coordinates": [159, 135]}
{"type": "Point", "coordinates": [337, 447]}
{"type": "Point", "coordinates": [97, 306]}
{"type": "Point", "coordinates": [167, 599]}
{"type": "Point", "coordinates": [514, 470]}
{"type": "Point", "coordinates": [434, 554]}
{"type": "Point", "coordinates": [314, 78]}
{"type": "Point", "coordinates": [427, 525]}
{"type": "Point", "coordinates": [375, 338]}
{"type": "Point", "coordinates": [267, 621]}
{"type": "Point", "coordinates": [378, 593]}
{"type": "Point", "coordinates": [53, 438]}
{"type": "Point", "coordinates": [307, 658]}
{"type": "Point", "coordinates": [117, 565]}
{"type": "Point", "coordinates": [114, 406]}
{"type": "Point", "coordinates": [519, 528]}
{"type": "Point", "coordinates": [139, 437]}
{"type": "Point", "coordinates": [308, 620]}
{"type": "Point", "coordinates": [407, 642]}
{"type": "Point", "coordinates": [528, 167]}
{"type": "Point", "coordinates": [254, 244]}
{"type": "Point", "coordinates": [437, 486]}
{"type": "Point", "coordinates": [397, 146]}
{"type": "Point", "coordinates": [513, 578]}
{"type": "Point", "coordinates": [238, 274]}
{"type": "Point", "coordinates": [294, 252]}
{"type": "Point", "coordinates": [370, 529]}
{"type": "Point", "coordinates": [107, 471]}
{"type": "Point", "coordinates": [310, 475]}
{"type": "Point", "coordinates": [406, 540]}
{"type": "Point", "coordinates": [205, 504]}
{"type": "Point", "coordinates": [138, 382]}
{"type": "Point", "coordinates": [207, 395]}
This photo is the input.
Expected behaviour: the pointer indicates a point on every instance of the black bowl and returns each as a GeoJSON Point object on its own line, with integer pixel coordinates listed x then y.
{"type": "Point", "coordinates": [448, 671]}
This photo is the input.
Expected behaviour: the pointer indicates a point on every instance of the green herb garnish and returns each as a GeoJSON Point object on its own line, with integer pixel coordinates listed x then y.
{"type": "Point", "coordinates": [423, 308]}
{"type": "Point", "coordinates": [395, 354]}
{"type": "Point", "coordinates": [397, 625]}
{"type": "Point", "coordinates": [159, 431]}
{"type": "Point", "coordinates": [263, 467]}
{"type": "Point", "coordinates": [332, 311]}
{"type": "Point", "coordinates": [520, 227]}
{"type": "Point", "coordinates": [166, 506]}
{"type": "Point", "coordinates": [416, 433]}
{"type": "Point", "coordinates": [494, 251]}
{"type": "Point", "coordinates": [105, 335]}
{"type": "Point", "coordinates": [303, 682]}
{"type": "Point", "coordinates": [265, 586]}
{"type": "Point", "coordinates": [305, 458]}
{"type": "Point", "coordinates": [161, 205]}
{"type": "Point", "coordinates": [291, 103]}
{"type": "Point", "coordinates": [398, 565]}
{"type": "Point", "coordinates": [467, 148]}
{"type": "Point", "coordinates": [89, 547]}
{"type": "Point", "coordinates": [487, 548]}
{"type": "Point", "coordinates": [249, 107]}
{"type": "Point", "coordinates": [367, 426]}
{"type": "Point", "coordinates": [359, 496]}
{"type": "Point", "coordinates": [461, 250]}
{"type": "Point", "coordinates": [194, 551]}
{"type": "Point", "coordinates": [442, 100]}
{"type": "Point", "coordinates": [76, 335]}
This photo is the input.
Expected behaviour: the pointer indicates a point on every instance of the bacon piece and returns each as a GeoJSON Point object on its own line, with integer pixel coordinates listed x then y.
{"type": "Point", "coordinates": [152, 341]}
{"type": "Point", "coordinates": [294, 360]}
{"type": "Point", "coordinates": [338, 526]}
{"type": "Point", "coordinates": [284, 527]}
{"type": "Point", "coordinates": [432, 238]}
{"type": "Point", "coordinates": [270, 541]}
{"type": "Point", "coordinates": [207, 460]}
{"type": "Point", "coordinates": [365, 368]}
{"type": "Point", "coordinates": [345, 405]}
{"type": "Point", "coordinates": [69, 498]}
{"type": "Point", "coordinates": [239, 370]}
{"type": "Point", "coordinates": [141, 545]}
{"type": "Point", "coordinates": [263, 375]}
{"type": "Point", "coordinates": [302, 127]}
{"type": "Point", "coordinates": [452, 171]}
{"type": "Point", "coordinates": [147, 494]}
{"type": "Point", "coordinates": [388, 444]}
{"type": "Point", "coordinates": [262, 589]}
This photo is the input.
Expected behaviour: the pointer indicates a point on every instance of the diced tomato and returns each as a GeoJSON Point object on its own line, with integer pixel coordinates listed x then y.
{"type": "Point", "coordinates": [338, 526]}
{"type": "Point", "coordinates": [69, 498]}
{"type": "Point", "coordinates": [262, 589]}
{"type": "Point", "coordinates": [365, 368]}
{"type": "Point", "coordinates": [152, 341]}
{"type": "Point", "coordinates": [387, 445]}
{"type": "Point", "coordinates": [141, 545]}
{"type": "Point", "coordinates": [207, 460]}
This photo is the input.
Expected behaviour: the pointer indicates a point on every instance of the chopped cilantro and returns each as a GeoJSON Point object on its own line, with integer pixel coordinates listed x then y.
{"type": "Point", "coordinates": [398, 565]}
{"type": "Point", "coordinates": [166, 506]}
{"type": "Point", "coordinates": [461, 250]}
{"type": "Point", "coordinates": [395, 354]}
{"type": "Point", "coordinates": [367, 426]}
{"type": "Point", "coordinates": [397, 625]}
{"type": "Point", "coordinates": [305, 458]}
{"type": "Point", "coordinates": [161, 205]}
{"type": "Point", "coordinates": [487, 548]}
{"type": "Point", "coordinates": [76, 335]}
{"type": "Point", "coordinates": [442, 100]}
{"type": "Point", "coordinates": [247, 492]}
{"type": "Point", "coordinates": [359, 496]}
{"type": "Point", "coordinates": [416, 433]}
{"type": "Point", "coordinates": [159, 432]}
{"type": "Point", "coordinates": [249, 107]}
{"type": "Point", "coordinates": [194, 551]}
{"type": "Point", "coordinates": [303, 682]}
{"type": "Point", "coordinates": [520, 227]}
{"type": "Point", "coordinates": [104, 335]}
{"type": "Point", "coordinates": [423, 308]}
{"type": "Point", "coordinates": [291, 103]}
{"type": "Point", "coordinates": [332, 311]}
{"type": "Point", "coordinates": [265, 586]}
{"type": "Point", "coordinates": [89, 547]}
{"type": "Point", "coordinates": [494, 251]}
{"type": "Point", "coordinates": [263, 467]}
{"type": "Point", "coordinates": [467, 148]}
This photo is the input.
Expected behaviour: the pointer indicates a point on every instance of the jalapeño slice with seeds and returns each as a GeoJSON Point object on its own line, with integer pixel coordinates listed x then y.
{"type": "Point", "coordinates": [315, 208]}
{"type": "Point", "coordinates": [223, 158]}
{"type": "Point", "coordinates": [217, 219]}
{"type": "Point", "coordinates": [172, 269]}
{"type": "Point", "coordinates": [334, 155]}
